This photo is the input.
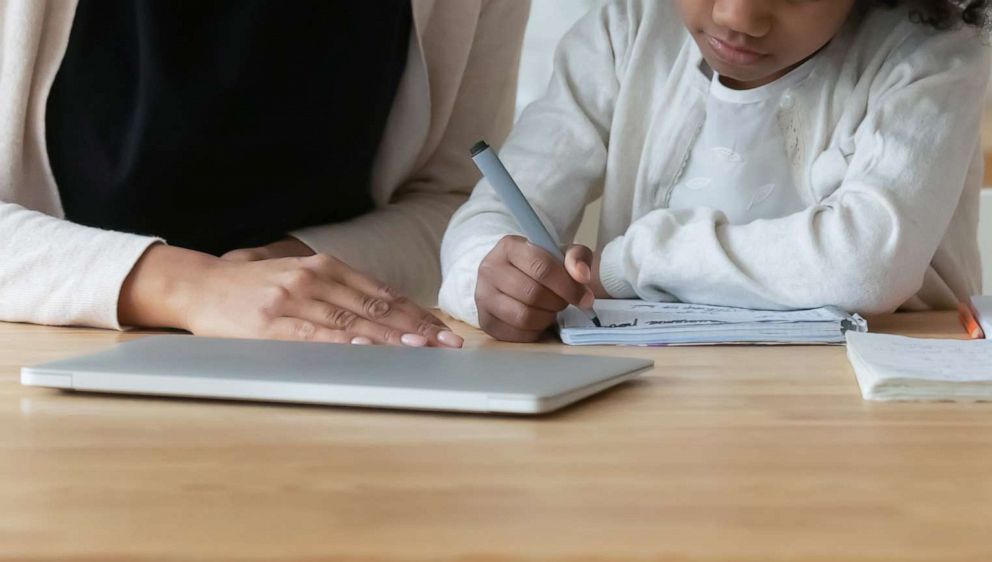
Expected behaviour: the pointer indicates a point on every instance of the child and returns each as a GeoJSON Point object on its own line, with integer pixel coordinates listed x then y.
{"type": "Point", "coordinates": [769, 154]}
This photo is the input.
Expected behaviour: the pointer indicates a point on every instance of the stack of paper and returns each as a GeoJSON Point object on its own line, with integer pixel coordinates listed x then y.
{"type": "Point", "coordinates": [635, 322]}
{"type": "Point", "coordinates": [901, 368]}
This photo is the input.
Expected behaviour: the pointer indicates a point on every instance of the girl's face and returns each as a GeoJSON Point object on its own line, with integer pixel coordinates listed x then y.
{"type": "Point", "coordinates": [755, 42]}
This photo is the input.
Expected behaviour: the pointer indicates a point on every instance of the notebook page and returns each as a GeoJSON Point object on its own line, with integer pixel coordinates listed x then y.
{"type": "Point", "coordinates": [891, 357]}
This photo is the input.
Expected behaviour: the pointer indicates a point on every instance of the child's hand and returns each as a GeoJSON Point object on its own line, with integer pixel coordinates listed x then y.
{"type": "Point", "coordinates": [596, 283]}
{"type": "Point", "coordinates": [521, 288]}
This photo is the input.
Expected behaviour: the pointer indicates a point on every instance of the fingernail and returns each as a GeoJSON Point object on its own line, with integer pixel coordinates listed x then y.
{"type": "Point", "coordinates": [585, 272]}
{"type": "Point", "coordinates": [413, 340]}
{"type": "Point", "coordinates": [449, 339]}
{"type": "Point", "coordinates": [360, 340]}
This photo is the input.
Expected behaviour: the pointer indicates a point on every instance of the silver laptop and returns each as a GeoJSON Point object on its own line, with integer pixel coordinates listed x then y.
{"type": "Point", "coordinates": [469, 380]}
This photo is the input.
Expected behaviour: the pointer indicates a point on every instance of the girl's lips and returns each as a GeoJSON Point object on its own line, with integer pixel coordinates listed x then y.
{"type": "Point", "coordinates": [733, 54]}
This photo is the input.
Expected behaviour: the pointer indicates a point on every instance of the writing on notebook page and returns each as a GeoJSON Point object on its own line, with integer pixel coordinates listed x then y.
{"type": "Point", "coordinates": [637, 322]}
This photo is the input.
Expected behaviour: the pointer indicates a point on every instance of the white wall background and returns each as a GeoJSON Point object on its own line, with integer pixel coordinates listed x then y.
{"type": "Point", "coordinates": [550, 19]}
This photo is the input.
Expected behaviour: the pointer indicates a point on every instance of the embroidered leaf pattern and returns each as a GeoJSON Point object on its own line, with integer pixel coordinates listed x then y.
{"type": "Point", "coordinates": [761, 194]}
{"type": "Point", "coordinates": [699, 182]}
{"type": "Point", "coordinates": [727, 154]}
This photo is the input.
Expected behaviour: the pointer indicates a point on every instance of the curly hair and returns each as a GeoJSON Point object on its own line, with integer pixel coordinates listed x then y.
{"type": "Point", "coordinates": [948, 14]}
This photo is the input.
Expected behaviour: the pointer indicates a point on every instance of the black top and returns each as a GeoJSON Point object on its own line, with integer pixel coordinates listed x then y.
{"type": "Point", "coordinates": [220, 124]}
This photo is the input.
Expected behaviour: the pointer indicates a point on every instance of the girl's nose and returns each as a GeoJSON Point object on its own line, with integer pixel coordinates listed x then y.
{"type": "Point", "coordinates": [748, 17]}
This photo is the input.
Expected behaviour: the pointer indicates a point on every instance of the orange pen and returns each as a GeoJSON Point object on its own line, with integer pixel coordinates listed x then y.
{"type": "Point", "coordinates": [969, 322]}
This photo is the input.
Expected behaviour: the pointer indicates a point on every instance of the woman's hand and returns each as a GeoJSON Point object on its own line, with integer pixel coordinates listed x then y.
{"type": "Point", "coordinates": [315, 298]}
{"type": "Point", "coordinates": [288, 247]}
{"type": "Point", "coordinates": [521, 288]}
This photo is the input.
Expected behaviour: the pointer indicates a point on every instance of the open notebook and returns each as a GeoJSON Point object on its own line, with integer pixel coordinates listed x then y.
{"type": "Point", "coordinates": [636, 322]}
{"type": "Point", "coordinates": [901, 368]}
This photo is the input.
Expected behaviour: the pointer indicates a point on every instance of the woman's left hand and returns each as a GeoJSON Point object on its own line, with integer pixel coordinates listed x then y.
{"type": "Point", "coordinates": [288, 247]}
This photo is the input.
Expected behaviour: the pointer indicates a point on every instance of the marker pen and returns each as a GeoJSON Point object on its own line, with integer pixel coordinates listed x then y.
{"type": "Point", "coordinates": [509, 192]}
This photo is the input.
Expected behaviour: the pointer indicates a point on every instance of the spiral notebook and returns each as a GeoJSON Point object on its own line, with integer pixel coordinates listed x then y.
{"type": "Point", "coordinates": [636, 322]}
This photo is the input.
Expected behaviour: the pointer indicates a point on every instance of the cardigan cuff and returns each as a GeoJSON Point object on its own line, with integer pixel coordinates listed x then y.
{"type": "Point", "coordinates": [611, 273]}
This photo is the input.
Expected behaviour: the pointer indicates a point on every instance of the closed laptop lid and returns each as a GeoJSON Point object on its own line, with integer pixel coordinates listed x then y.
{"type": "Point", "coordinates": [181, 363]}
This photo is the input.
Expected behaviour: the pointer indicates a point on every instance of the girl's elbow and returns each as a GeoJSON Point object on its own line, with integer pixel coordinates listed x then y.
{"type": "Point", "coordinates": [875, 289]}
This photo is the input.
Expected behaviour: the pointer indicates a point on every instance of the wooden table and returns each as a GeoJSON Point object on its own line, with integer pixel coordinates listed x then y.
{"type": "Point", "coordinates": [737, 454]}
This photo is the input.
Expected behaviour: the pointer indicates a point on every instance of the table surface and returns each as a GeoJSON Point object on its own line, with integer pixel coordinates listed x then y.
{"type": "Point", "coordinates": [720, 453]}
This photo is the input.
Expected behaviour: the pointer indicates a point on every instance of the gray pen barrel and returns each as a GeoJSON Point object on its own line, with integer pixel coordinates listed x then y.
{"type": "Point", "coordinates": [501, 181]}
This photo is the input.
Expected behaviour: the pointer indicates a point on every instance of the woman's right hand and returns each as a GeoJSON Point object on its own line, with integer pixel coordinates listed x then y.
{"type": "Point", "coordinates": [315, 298]}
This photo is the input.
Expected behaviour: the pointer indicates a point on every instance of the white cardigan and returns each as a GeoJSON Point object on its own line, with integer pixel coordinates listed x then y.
{"type": "Point", "coordinates": [459, 86]}
{"type": "Point", "coordinates": [883, 137]}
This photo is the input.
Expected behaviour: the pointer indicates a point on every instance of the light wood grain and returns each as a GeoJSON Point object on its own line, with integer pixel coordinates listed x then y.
{"type": "Point", "coordinates": [731, 454]}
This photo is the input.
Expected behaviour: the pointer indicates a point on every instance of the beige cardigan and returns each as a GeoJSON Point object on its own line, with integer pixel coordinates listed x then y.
{"type": "Point", "coordinates": [459, 86]}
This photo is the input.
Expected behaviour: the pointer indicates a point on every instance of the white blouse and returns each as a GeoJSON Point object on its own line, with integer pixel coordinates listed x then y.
{"type": "Point", "coordinates": [738, 164]}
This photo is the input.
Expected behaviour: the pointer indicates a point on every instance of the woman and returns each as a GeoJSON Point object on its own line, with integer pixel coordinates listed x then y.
{"type": "Point", "coordinates": [302, 143]}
